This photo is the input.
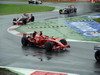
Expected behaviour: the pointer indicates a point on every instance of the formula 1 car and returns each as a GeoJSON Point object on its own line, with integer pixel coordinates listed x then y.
{"type": "Point", "coordinates": [70, 9]}
{"type": "Point", "coordinates": [34, 2]}
{"type": "Point", "coordinates": [27, 17]}
{"type": "Point", "coordinates": [49, 43]}
{"type": "Point", "coordinates": [97, 52]}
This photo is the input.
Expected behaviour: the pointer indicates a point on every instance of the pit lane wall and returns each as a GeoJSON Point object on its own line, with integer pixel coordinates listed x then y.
{"type": "Point", "coordinates": [75, 0]}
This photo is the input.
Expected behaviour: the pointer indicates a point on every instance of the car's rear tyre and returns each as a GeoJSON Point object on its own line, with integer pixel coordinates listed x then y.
{"type": "Point", "coordinates": [29, 2]}
{"type": "Point", "coordinates": [32, 19]}
{"type": "Point", "coordinates": [68, 12]}
{"type": "Point", "coordinates": [63, 41]}
{"type": "Point", "coordinates": [48, 46]}
{"type": "Point", "coordinates": [14, 20]}
{"type": "Point", "coordinates": [75, 10]}
{"type": "Point", "coordinates": [24, 41]}
{"type": "Point", "coordinates": [97, 55]}
{"type": "Point", "coordinates": [24, 21]}
{"type": "Point", "coordinates": [60, 11]}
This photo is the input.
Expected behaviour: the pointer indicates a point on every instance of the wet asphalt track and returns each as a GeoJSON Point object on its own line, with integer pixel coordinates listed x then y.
{"type": "Point", "coordinates": [78, 59]}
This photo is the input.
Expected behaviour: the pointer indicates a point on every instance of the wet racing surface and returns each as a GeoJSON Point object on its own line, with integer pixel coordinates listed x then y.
{"type": "Point", "coordinates": [78, 59]}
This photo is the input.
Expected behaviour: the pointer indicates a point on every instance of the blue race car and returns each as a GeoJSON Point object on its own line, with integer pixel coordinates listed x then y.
{"type": "Point", "coordinates": [70, 9]}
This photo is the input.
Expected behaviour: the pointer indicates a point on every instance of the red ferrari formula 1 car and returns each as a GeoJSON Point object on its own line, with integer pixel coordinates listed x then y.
{"type": "Point", "coordinates": [27, 17]}
{"type": "Point", "coordinates": [49, 43]}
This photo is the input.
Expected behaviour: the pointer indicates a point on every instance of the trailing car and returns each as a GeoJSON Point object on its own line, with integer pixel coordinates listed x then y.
{"type": "Point", "coordinates": [27, 17]}
{"type": "Point", "coordinates": [34, 2]}
{"type": "Point", "coordinates": [97, 52]}
{"type": "Point", "coordinates": [70, 9]}
{"type": "Point", "coordinates": [49, 43]}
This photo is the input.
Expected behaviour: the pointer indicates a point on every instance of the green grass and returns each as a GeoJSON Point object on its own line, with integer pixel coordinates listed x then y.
{"type": "Point", "coordinates": [97, 20]}
{"type": "Point", "coordinates": [6, 9]}
{"type": "Point", "coordinates": [3, 69]}
{"type": "Point", "coordinates": [9, 72]}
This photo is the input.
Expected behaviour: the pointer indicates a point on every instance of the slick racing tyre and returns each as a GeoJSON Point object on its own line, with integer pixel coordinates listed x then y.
{"type": "Point", "coordinates": [24, 21]}
{"type": "Point", "coordinates": [60, 11]}
{"type": "Point", "coordinates": [24, 41]}
{"type": "Point", "coordinates": [75, 10]}
{"type": "Point", "coordinates": [32, 19]}
{"type": "Point", "coordinates": [36, 2]}
{"type": "Point", "coordinates": [29, 2]}
{"type": "Point", "coordinates": [48, 46]}
{"type": "Point", "coordinates": [14, 20]}
{"type": "Point", "coordinates": [63, 41]}
{"type": "Point", "coordinates": [97, 55]}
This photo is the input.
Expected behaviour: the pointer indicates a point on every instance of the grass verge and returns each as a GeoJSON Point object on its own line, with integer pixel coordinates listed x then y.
{"type": "Point", "coordinates": [97, 20]}
{"type": "Point", "coordinates": [5, 71]}
{"type": "Point", "coordinates": [16, 9]}
{"type": "Point", "coordinates": [56, 28]}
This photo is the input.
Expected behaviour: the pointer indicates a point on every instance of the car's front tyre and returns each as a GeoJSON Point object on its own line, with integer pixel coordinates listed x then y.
{"type": "Point", "coordinates": [63, 41]}
{"type": "Point", "coordinates": [14, 22]}
{"type": "Point", "coordinates": [60, 11]}
{"type": "Point", "coordinates": [48, 46]}
{"type": "Point", "coordinates": [24, 41]}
